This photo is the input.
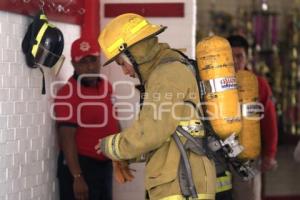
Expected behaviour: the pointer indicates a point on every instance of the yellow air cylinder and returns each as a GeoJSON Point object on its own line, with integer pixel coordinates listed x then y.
{"type": "Point", "coordinates": [249, 136]}
{"type": "Point", "coordinates": [215, 64]}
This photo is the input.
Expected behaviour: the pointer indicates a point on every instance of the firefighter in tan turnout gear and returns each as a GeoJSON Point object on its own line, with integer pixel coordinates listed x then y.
{"type": "Point", "coordinates": [131, 41]}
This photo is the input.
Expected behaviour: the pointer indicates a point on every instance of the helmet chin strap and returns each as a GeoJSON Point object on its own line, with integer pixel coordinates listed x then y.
{"type": "Point", "coordinates": [140, 87]}
{"type": "Point", "coordinates": [134, 64]}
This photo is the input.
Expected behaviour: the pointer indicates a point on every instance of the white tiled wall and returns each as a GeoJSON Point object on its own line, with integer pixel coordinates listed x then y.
{"type": "Point", "coordinates": [27, 138]}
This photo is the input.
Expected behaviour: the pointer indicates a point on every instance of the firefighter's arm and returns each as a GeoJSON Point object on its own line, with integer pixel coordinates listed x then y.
{"type": "Point", "coordinates": [155, 124]}
{"type": "Point", "coordinates": [151, 130]}
{"type": "Point", "coordinates": [148, 132]}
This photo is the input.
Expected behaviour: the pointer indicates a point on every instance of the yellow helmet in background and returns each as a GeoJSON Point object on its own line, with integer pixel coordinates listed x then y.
{"type": "Point", "coordinates": [124, 31]}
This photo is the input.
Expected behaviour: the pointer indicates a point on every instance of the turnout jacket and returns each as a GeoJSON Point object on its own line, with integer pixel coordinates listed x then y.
{"type": "Point", "coordinates": [168, 83]}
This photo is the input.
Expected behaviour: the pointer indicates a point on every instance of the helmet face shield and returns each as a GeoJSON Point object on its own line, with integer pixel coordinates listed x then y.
{"type": "Point", "coordinates": [43, 43]}
{"type": "Point", "coordinates": [46, 58]}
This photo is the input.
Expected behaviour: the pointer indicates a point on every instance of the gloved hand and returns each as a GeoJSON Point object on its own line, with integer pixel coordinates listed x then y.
{"type": "Point", "coordinates": [122, 172]}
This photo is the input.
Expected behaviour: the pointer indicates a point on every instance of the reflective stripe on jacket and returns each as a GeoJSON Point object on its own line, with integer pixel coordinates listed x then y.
{"type": "Point", "coordinates": [180, 197]}
{"type": "Point", "coordinates": [224, 182]}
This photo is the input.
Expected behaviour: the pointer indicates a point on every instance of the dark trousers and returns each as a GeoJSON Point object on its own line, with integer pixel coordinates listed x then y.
{"type": "Point", "coordinates": [97, 174]}
{"type": "Point", "coordinates": [226, 195]}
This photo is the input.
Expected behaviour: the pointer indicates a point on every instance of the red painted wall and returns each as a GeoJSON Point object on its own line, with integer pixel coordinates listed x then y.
{"type": "Point", "coordinates": [145, 9]}
{"type": "Point", "coordinates": [81, 12]}
{"type": "Point", "coordinates": [58, 10]}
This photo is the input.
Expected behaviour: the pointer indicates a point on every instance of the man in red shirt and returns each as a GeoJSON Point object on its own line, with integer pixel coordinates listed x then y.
{"type": "Point", "coordinates": [251, 190]}
{"type": "Point", "coordinates": [84, 114]}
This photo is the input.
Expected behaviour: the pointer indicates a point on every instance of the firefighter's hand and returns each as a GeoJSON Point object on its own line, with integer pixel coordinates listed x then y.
{"type": "Point", "coordinates": [268, 164]}
{"type": "Point", "coordinates": [80, 188]}
{"type": "Point", "coordinates": [122, 172]}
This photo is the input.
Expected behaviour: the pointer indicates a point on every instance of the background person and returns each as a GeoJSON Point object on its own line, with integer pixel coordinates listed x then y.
{"type": "Point", "coordinates": [84, 113]}
{"type": "Point", "coordinates": [243, 190]}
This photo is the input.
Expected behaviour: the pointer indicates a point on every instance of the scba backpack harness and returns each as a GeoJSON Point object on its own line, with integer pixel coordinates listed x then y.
{"type": "Point", "coordinates": [223, 153]}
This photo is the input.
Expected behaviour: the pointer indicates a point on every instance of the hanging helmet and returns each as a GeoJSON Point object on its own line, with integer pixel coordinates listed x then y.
{"type": "Point", "coordinates": [123, 32]}
{"type": "Point", "coordinates": [43, 43]}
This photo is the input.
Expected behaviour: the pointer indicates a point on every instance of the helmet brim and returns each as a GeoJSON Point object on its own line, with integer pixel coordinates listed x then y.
{"type": "Point", "coordinates": [162, 29]}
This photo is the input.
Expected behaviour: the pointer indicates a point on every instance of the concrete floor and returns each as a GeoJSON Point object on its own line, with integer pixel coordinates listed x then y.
{"type": "Point", "coordinates": [285, 181]}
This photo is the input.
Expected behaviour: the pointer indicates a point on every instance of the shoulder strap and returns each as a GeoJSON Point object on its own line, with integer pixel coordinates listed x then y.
{"type": "Point", "coordinates": [193, 63]}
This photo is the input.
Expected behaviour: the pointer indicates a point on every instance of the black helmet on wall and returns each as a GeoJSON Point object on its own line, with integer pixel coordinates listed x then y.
{"type": "Point", "coordinates": [43, 43]}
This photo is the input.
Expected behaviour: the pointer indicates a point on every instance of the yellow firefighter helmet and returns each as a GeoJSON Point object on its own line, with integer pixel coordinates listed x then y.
{"type": "Point", "coordinates": [124, 31]}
